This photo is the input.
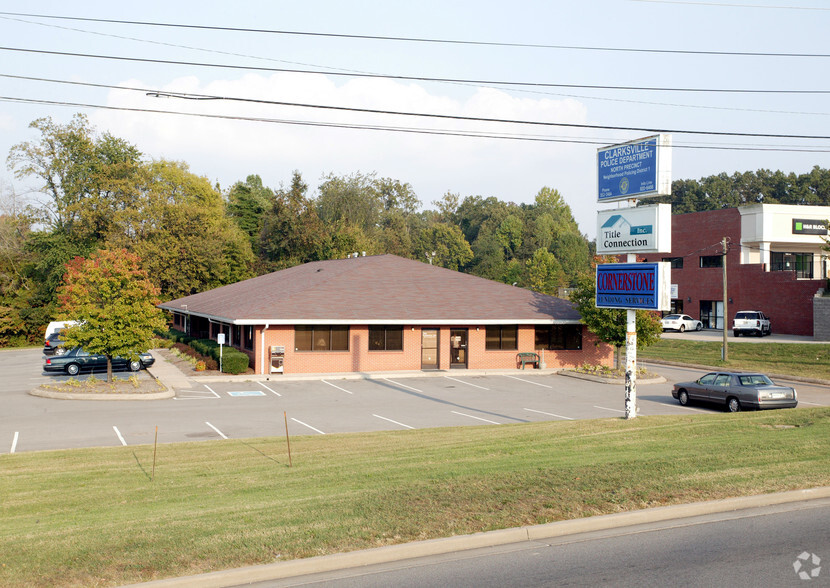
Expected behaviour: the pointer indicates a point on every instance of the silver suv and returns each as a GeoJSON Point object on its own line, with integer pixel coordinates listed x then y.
{"type": "Point", "coordinates": [751, 322]}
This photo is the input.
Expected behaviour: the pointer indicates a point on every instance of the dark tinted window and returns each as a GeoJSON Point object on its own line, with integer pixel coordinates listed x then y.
{"type": "Point", "coordinates": [502, 337]}
{"type": "Point", "coordinates": [321, 338]}
{"type": "Point", "coordinates": [385, 338]}
{"type": "Point", "coordinates": [558, 337]}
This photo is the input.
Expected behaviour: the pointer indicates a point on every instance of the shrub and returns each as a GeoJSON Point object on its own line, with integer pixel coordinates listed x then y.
{"type": "Point", "coordinates": [234, 362]}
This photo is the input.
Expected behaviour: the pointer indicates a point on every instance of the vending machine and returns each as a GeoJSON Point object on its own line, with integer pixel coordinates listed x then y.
{"type": "Point", "coordinates": [277, 358]}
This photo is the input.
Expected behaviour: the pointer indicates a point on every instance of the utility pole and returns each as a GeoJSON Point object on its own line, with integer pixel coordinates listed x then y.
{"type": "Point", "coordinates": [631, 357]}
{"type": "Point", "coordinates": [725, 354]}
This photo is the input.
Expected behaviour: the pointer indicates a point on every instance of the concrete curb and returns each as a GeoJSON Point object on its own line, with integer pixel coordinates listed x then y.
{"type": "Point", "coordinates": [102, 396]}
{"type": "Point", "coordinates": [602, 380]}
{"type": "Point", "coordinates": [392, 553]}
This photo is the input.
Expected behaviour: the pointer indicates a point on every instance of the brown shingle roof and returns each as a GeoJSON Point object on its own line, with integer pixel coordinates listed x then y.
{"type": "Point", "coordinates": [375, 289]}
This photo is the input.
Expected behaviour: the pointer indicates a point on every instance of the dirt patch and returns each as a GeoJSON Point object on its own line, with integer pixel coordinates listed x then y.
{"type": "Point", "coordinates": [120, 386]}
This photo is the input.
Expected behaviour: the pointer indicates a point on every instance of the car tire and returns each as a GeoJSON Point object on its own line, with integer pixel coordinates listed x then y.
{"type": "Point", "coordinates": [73, 369]}
{"type": "Point", "coordinates": [682, 328]}
{"type": "Point", "coordinates": [736, 334]}
{"type": "Point", "coordinates": [699, 327]}
{"type": "Point", "coordinates": [683, 398]}
{"type": "Point", "coordinates": [135, 366]}
{"type": "Point", "coordinates": [733, 404]}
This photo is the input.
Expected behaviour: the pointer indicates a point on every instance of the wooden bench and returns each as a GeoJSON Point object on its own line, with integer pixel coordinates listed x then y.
{"type": "Point", "coordinates": [525, 358]}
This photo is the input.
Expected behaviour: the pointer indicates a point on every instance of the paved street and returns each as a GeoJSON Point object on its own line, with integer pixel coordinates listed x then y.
{"type": "Point", "coordinates": [210, 410]}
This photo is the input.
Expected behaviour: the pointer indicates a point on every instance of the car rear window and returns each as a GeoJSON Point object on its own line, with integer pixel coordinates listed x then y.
{"type": "Point", "coordinates": [747, 315]}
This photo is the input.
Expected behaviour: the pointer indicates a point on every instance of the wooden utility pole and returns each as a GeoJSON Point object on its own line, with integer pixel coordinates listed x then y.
{"type": "Point", "coordinates": [725, 311]}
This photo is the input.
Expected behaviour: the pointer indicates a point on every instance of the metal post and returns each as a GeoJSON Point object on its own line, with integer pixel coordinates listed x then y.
{"type": "Point", "coordinates": [725, 354]}
{"type": "Point", "coordinates": [631, 358]}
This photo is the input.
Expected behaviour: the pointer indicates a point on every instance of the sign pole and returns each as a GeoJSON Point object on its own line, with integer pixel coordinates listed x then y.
{"type": "Point", "coordinates": [631, 357]}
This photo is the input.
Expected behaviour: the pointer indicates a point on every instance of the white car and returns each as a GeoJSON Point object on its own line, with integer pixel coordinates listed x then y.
{"type": "Point", "coordinates": [681, 322]}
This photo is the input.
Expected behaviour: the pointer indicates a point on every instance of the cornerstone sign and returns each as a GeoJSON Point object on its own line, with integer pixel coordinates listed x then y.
{"type": "Point", "coordinates": [640, 229]}
{"type": "Point", "coordinates": [634, 286]}
{"type": "Point", "coordinates": [634, 170]}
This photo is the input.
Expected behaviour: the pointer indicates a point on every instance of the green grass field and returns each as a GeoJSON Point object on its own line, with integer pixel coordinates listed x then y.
{"type": "Point", "coordinates": [94, 517]}
{"type": "Point", "coordinates": [803, 359]}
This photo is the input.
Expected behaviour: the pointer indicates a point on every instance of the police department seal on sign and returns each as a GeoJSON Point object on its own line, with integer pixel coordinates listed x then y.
{"type": "Point", "coordinates": [624, 186]}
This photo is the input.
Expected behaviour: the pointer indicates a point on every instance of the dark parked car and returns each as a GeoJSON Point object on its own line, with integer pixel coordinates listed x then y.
{"type": "Point", "coordinates": [76, 359]}
{"type": "Point", "coordinates": [736, 390]}
{"type": "Point", "coordinates": [53, 344]}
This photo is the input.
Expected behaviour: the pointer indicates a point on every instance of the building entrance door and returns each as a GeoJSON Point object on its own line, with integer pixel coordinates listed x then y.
{"type": "Point", "coordinates": [458, 348]}
{"type": "Point", "coordinates": [429, 349]}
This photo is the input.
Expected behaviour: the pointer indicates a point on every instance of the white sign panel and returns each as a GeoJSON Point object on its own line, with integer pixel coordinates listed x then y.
{"type": "Point", "coordinates": [640, 229]}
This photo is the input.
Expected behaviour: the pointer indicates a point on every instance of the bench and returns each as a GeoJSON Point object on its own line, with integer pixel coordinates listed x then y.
{"type": "Point", "coordinates": [525, 358]}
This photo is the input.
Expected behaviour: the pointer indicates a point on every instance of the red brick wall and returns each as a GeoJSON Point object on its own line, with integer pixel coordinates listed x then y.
{"type": "Point", "coordinates": [360, 359]}
{"type": "Point", "coordinates": [786, 300]}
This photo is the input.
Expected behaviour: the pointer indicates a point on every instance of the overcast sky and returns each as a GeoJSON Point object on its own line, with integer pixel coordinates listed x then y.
{"type": "Point", "coordinates": [580, 50]}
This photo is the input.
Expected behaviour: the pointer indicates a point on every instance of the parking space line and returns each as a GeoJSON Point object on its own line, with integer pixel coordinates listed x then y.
{"type": "Point", "coordinates": [120, 437]}
{"type": "Point", "coordinates": [14, 441]}
{"type": "Point", "coordinates": [338, 387]}
{"type": "Point", "coordinates": [528, 381]}
{"type": "Point", "coordinates": [468, 383]}
{"type": "Point", "coordinates": [811, 403]}
{"type": "Point", "coordinates": [403, 385]}
{"type": "Point", "coordinates": [559, 416]}
{"type": "Point", "coordinates": [475, 417]}
{"type": "Point", "coordinates": [221, 434]}
{"type": "Point", "coordinates": [269, 389]}
{"type": "Point", "coordinates": [391, 421]}
{"type": "Point", "coordinates": [613, 409]}
{"type": "Point", "coordinates": [307, 425]}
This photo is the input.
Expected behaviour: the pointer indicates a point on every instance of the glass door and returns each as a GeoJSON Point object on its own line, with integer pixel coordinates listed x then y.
{"type": "Point", "coordinates": [429, 349]}
{"type": "Point", "coordinates": [458, 348]}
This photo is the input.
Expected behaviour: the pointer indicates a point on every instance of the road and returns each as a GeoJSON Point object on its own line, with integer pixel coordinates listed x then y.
{"type": "Point", "coordinates": [745, 548]}
{"type": "Point", "coordinates": [254, 409]}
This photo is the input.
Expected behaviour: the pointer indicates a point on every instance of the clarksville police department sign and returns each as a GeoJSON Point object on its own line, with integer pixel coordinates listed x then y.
{"type": "Point", "coordinates": [634, 286]}
{"type": "Point", "coordinates": [634, 170]}
{"type": "Point", "coordinates": [638, 229]}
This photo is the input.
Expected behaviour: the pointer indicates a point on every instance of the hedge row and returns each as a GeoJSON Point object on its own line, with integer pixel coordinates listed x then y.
{"type": "Point", "coordinates": [233, 360]}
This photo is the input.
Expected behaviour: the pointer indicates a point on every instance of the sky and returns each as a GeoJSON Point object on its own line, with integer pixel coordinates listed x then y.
{"type": "Point", "coordinates": [579, 75]}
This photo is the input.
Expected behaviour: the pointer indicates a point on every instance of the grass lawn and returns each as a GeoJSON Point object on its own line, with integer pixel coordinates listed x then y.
{"type": "Point", "coordinates": [803, 359]}
{"type": "Point", "coordinates": [94, 517]}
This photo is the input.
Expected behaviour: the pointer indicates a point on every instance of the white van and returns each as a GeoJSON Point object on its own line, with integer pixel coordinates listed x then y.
{"type": "Point", "coordinates": [55, 326]}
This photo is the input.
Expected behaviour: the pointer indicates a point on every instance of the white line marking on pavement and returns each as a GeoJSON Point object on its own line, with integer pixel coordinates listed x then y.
{"type": "Point", "coordinates": [391, 421]}
{"type": "Point", "coordinates": [812, 403]}
{"type": "Point", "coordinates": [403, 385]}
{"type": "Point", "coordinates": [463, 382]}
{"type": "Point", "coordinates": [212, 391]}
{"type": "Point", "coordinates": [269, 389]}
{"type": "Point", "coordinates": [307, 425]}
{"type": "Point", "coordinates": [117, 432]}
{"type": "Point", "coordinates": [338, 387]}
{"type": "Point", "coordinates": [475, 417]}
{"type": "Point", "coordinates": [603, 408]}
{"type": "Point", "coordinates": [14, 441]}
{"type": "Point", "coordinates": [528, 381]}
{"type": "Point", "coordinates": [559, 416]}
{"type": "Point", "coordinates": [221, 434]}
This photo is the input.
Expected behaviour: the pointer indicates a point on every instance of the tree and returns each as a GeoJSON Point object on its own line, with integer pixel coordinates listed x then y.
{"type": "Point", "coordinates": [115, 302]}
{"type": "Point", "coordinates": [610, 324]}
{"type": "Point", "coordinates": [247, 203]}
{"type": "Point", "coordinates": [448, 245]}
{"type": "Point", "coordinates": [544, 273]}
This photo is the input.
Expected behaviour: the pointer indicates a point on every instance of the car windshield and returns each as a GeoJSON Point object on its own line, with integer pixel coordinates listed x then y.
{"type": "Point", "coordinates": [754, 380]}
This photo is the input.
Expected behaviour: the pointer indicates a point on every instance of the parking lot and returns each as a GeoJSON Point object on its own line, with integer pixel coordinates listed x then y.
{"type": "Point", "coordinates": [242, 409]}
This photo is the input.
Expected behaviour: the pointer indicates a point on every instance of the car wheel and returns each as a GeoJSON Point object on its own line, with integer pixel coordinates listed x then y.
{"type": "Point", "coordinates": [72, 369]}
{"type": "Point", "coordinates": [682, 328]}
{"type": "Point", "coordinates": [699, 327]}
{"type": "Point", "coordinates": [135, 366]}
{"type": "Point", "coordinates": [683, 398]}
{"type": "Point", "coordinates": [733, 405]}
{"type": "Point", "coordinates": [736, 334]}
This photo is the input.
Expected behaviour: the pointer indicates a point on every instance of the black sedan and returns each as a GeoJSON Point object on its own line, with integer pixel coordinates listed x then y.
{"type": "Point", "coordinates": [736, 390]}
{"type": "Point", "coordinates": [76, 359]}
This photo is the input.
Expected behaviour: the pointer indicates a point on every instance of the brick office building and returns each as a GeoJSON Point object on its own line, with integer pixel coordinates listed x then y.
{"type": "Point", "coordinates": [383, 313]}
{"type": "Point", "coordinates": [775, 263]}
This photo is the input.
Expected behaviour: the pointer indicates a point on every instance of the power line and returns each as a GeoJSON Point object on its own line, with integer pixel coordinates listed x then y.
{"type": "Point", "coordinates": [729, 5]}
{"type": "Point", "coordinates": [411, 130]}
{"type": "Point", "coordinates": [416, 39]}
{"type": "Point", "coordinates": [413, 78]}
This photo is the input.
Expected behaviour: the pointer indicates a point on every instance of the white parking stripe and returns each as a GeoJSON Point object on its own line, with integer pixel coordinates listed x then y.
{"type": "Point", "coordinates": [338, 387]}
{"type": "Point", "coordinates": [468, 383]}
{"type": "Point", "coordinates": [811, 403]}
{"type": "Point", "coordinates": [559, 416]}
{"type": "Point", "coordinates": [117, 432]}
{"type": "Point", "coordinates": [307, 425]}
{"type": "Point", "coordinates": [475, 417]}
{"type": "Point", "coordinates": [269, 389]}
{"type": "Point", "coordinates": [391, 421]}
{"type": "Point", "coordinates": [528, 381]}
{"type": "Point", "coordinates": [212, 391]}
{"type": "Point", "coordinates": [221, 434]}
{"type": "Point", "coordinates": [14, 441]}
{"type": "Point", "coordinates": [613, 409]}
{"type": "Point", "coordinates": [403, 385]}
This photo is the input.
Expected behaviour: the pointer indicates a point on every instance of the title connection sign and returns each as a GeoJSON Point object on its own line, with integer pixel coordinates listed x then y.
{"type": "Point", "coordinates": [638, 229]}
{"type": "Point", "coordinates": [634, 170]}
